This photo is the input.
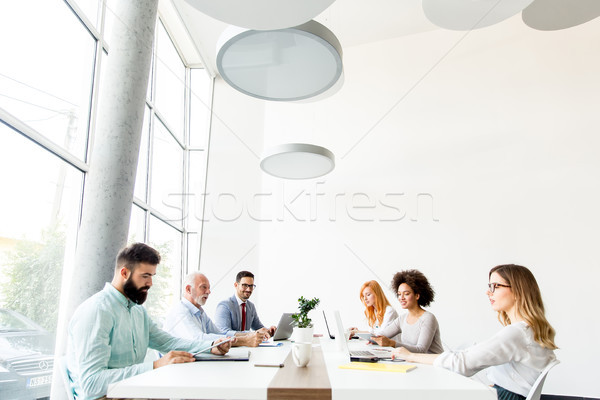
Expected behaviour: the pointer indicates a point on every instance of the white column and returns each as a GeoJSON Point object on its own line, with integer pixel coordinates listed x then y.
{"type": "Point", "coordinates": [108, 190]}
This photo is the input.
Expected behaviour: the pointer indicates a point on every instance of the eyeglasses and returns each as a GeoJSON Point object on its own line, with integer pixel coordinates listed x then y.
{"type": "Point", "coordinates": [246, 286]}
{"type": "Point", "coordinates": [494, 285]}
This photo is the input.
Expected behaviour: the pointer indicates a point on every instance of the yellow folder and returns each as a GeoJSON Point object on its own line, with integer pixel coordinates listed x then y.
{"type": "Point", "coordinates": [379, 366]}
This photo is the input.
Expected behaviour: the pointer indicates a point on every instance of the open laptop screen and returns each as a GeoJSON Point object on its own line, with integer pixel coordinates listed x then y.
{"type": "Point", "coordinates": [284, 327]}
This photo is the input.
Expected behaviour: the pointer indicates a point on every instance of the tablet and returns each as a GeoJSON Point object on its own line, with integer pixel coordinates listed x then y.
{"type": "Point", "coordinates": [366, 336]}
{"type": "Point", "coordinates": [229, 339]}
{"type": "Point", "coordinates": [233, 355]}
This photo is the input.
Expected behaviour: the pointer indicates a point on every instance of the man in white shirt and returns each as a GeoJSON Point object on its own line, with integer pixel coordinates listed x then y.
{"type": "Point", "coordinates": [188, 320]}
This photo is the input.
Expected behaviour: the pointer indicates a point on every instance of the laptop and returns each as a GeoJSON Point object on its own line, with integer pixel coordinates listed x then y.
{"type": "Point", "coordinates": [284, 327]}
{"type": "Point", "coordinates": [360, 355]}
{"type": "Point", "coordinates": [331, 335]}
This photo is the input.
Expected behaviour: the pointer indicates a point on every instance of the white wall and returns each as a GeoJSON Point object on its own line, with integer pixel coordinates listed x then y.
{"type": "Point", "coordinates": [487, 145]}
{"type": "Point", "coordinates": [230, 238]}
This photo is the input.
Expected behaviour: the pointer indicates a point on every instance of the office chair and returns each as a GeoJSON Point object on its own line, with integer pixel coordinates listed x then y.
{"type": "Point", "coordinates": [64, 372]}
{"type": "Point", "coordinates": [536, 389]}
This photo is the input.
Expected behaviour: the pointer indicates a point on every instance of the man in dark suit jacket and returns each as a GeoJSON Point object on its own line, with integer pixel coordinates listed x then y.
{"type": "Point", "coordinates": [230, 312]}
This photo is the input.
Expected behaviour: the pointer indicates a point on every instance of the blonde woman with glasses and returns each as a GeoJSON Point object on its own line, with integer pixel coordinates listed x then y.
{"type": "Point", "coordinates": [519, 352]}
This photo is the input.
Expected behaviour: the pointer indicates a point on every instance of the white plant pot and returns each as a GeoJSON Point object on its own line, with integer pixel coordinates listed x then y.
{"type": "Point", "coordinates": [303, 335]}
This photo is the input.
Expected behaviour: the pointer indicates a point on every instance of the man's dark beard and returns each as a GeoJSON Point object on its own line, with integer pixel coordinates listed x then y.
{"type": "Point", "coordinates": [137, 295]}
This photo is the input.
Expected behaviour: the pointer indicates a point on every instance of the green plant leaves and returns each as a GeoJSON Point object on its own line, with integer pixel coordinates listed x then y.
{"type": "Point", "coordinates": [301, 319]}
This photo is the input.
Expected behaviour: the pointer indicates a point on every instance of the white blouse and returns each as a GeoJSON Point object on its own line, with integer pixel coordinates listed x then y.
{"type": "Point", "coordinates": [514, 358]}
{"type": "Point", "coordinates": [389, 317]}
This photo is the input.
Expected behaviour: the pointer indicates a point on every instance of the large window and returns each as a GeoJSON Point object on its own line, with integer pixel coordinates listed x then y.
{"type": "Point", "coordinates": [40, 206]}
{"type": "Point", "coordinates": [50, 77]}
{"type": "Point", "coordinates": [46, 73]}
{"type": "Point", "coordinates": [166, 192]}
{"type": "Point", "coordinates": [171, 170]}
{"type": "Point", "coordinates": [170, 84]}
{"type": "Point", "coordinates": [46, 95]}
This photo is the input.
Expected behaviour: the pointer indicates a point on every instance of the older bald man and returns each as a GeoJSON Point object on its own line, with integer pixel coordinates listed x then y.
{"type": "Point", "coordinates": [188, 320]}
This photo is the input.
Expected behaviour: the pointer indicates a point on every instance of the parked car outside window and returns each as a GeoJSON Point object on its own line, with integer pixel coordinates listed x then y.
{"type": "Point", "coordinates": [26, 358]}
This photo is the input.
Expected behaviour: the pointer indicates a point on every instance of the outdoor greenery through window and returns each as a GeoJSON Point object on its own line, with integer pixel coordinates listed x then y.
{"type": "Point", "coordinates": [37, 214]}
{"type": "Point", "coordinates": [47, 100]}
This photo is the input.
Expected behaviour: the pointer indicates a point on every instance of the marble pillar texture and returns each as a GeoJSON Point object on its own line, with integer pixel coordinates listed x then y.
{"type": "Point", "coordinates": [109, 185]}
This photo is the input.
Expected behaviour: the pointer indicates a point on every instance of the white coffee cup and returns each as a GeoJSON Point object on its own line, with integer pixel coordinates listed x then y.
{"type": "Point", "coordinates": [301, 353]}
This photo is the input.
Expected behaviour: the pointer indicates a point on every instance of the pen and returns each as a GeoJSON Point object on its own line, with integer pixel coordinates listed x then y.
{"type": "Point", "coordinates": [269, 365]}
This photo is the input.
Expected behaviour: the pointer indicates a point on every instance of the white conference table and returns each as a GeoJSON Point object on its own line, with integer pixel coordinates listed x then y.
{"type": "Point", "coordinates": [322, 378]}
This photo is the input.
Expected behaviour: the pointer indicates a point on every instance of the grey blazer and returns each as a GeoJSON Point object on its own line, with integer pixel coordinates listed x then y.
{"type": "Point", "coordinates": [229, 317]}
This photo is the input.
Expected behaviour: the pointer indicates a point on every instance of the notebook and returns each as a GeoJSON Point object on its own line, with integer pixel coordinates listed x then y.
{"type": "Point", "coordinates": [386, 367]}
{"type": "Point", "coordinates": [269, 343]}
{"type": "Point", "coordinates": [360, 355]}
{"type": "Point", "coordinates": [284, 327]}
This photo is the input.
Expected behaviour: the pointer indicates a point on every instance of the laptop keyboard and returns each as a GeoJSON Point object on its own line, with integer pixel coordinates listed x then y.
{"type": "Point", "coordinates": [382, 353]}
{"type": "Point", "coordinates": [361, 353]}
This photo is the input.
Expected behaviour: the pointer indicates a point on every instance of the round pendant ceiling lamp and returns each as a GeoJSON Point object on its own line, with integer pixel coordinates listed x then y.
{"type": "Point", "coordinates": [465, 15]}
{"type": "Point", "coordinates": [262, 14]}
{"type": "Point", "coordinates": [552, 15]}
{"type": "Point", "coordinates": [281, 65]}
{"type": "Point", "coordinates": [297, 161]}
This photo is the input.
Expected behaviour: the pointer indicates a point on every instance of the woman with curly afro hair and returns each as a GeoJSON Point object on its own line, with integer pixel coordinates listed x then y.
{"type": "Point", "coordinates": [419, 328]}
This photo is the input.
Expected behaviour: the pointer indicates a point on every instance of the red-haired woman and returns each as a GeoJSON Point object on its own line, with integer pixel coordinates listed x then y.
{"type": "Point", "coordinates": [378, 310]}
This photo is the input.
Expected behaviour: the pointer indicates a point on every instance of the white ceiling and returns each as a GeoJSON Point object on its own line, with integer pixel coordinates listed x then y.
{"type": "Point", "coordinates": [352, 21]}
{"type": "Point", "coordinates": [356, 23]}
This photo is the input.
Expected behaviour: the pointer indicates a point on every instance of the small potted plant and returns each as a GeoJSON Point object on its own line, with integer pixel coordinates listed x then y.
{"type": "Point", "coordinates": [303, 327]}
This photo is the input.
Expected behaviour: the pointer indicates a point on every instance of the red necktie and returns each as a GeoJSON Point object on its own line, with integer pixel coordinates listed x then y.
{"type": "Point", "coordinates": [243, 316]}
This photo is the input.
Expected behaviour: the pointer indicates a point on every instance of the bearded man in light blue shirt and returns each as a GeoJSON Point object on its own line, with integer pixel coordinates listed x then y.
{"type": "Point", "coordinates": [110, 332]}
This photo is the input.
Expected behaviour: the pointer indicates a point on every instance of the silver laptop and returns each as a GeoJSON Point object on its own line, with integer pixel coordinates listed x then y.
{"type": "Point", "coordinates": [331, 335]}
{"type": "Point", "coordinates": [284, 327]}
{"type": "Point", "coordinates": [359, 355]}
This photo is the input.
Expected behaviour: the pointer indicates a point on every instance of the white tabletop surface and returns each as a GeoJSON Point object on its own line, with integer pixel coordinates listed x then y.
{"type": "Point", "coordinates": [206, 379]}
{"type": "Point", "coordinates": [425, 382]}
{"type": "Point", "coordinates": [242, 380]}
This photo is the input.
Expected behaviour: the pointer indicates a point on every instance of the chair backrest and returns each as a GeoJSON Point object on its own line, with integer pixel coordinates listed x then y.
{"type": "Point", "coordinates": [64, 372]}
{"type": "Point", "coordinates": [536, 389]}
